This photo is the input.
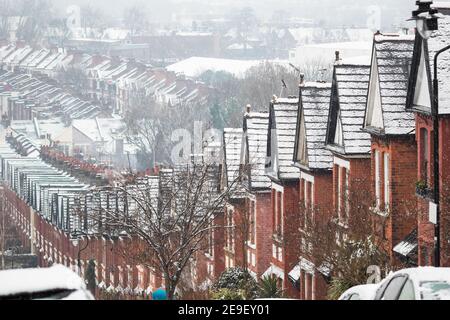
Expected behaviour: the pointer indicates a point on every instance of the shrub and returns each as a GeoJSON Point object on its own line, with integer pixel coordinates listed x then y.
{"type": "Point", "coordinates": [268, 288]}
{"type": "Point", "coordinates": [228, 294]}
{"type": "Point", "coordinates": [238, 282]}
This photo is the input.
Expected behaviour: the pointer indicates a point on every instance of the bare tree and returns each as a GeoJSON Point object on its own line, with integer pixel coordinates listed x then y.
{"type": "Point", "coordinates": [151, 123]}
{"type": "Point", "coordinates": [91, 18]}
{"type": "Point", "coordinates": [28, 19]}
{"type": "Point", "coordinates": [172, 215]}
{"type": "Point", "coordinates": [135, 18]}
{"type": "Point", "coordinates": [345, 241]}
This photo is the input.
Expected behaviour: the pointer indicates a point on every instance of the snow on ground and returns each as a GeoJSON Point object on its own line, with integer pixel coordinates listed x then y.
{"type": "Point", "coordinates": [195, 66]}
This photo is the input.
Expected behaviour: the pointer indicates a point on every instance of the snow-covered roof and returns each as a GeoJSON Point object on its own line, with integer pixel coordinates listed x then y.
{"type": "Point", "coordinates": [348, 105]}
{"type": "Point", "coordinates": [409, 246]}
{"type": "Point", "coordinates": [232, 143]}
{"type": "Point", "coordinates": [99, 129]}
{"type": "Point", "coordinates": [282, 130]}
{"type": "Point", "coordinates": [420, 92]}
{"type": "Point", "coordinates": [310, 151]}
{"type": "Point", "coordinates": [256, 127]}
{"type": "Point", "coordinates": [386, 106]}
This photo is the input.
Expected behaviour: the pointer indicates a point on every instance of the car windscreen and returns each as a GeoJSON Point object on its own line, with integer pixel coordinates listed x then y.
{"type": "Point", "coordinates": [435, 290]}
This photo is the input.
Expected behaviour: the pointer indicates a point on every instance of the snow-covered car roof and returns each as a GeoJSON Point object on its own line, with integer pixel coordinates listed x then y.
{"type": "Point", "coordinates": [23, 281]}
{"type": "Point", "coordinates": [423, 279]}
{"type": "Point", "coordinates": [426, 274]}
{"type": "Point", "coordinates": [365, 292]}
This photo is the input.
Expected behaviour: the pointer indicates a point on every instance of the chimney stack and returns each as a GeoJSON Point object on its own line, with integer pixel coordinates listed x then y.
{"type": "Point", "coordinates": [338, 56]}
{"type": "Point", "coordinates": [302, 79]}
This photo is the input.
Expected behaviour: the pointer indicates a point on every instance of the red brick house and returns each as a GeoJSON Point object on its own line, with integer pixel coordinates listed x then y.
{"type": "Point", "coordinates": [349, 144]}
{"type": "Point", "coordinates": [420, 101]}
{"type": "Point", "coordinates": [285, 196]}
{"type": "Point", "coordinates": [234, 243]}
{"type": "Point", "coordinates": [394, 151]}
{"type": "Point", "coordinates": [316, 181]}
{"type": "Point", "coordinates": [257, 204]}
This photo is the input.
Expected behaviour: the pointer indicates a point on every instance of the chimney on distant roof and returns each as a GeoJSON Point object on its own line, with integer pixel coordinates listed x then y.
{"type": "Point", "coordinates": [302, 79]}
{"type": "Point", "coordinates": [248, 108]}
{"type": "Point", "coordinates": [338, 57]}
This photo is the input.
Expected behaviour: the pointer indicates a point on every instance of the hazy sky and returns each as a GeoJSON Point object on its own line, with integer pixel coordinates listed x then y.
{"type": "Point", "coordinates": [337, 11]}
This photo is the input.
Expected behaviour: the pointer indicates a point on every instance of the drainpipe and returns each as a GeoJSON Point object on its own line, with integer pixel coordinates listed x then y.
{"type": "Point", "coordinates": [436, 170]}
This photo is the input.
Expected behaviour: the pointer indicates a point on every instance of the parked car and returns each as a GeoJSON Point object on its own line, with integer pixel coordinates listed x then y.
{"type": "Point", "coordinates": [424, 283]}
{"type": "Point", "coordinates": [54, 283]}
{"type": "Point", "coordinates": [364, 292]}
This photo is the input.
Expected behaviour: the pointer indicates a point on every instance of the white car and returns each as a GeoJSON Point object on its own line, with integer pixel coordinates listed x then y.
{"type": "Point", "coordinates": [364, 292]}
{"type": "Point", "coordinates": [426, 283]}
{"type": "Point", "coordinates": [55, 283]}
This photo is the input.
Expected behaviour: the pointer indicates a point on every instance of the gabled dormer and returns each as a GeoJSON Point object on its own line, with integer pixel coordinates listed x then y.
{"type": "Point", "coordinates": [281, 139]}
{"type": "Point", "coordinates": [374, 115]}
{"type": "Point", "coordinates": [386, 112]}
{"type": "Point", "coordinates": [310, 152]}
{"type": "Point", "coordinates": [254, 151]}
{"type": "Point", "coordinates": [420, 86]}
{"type": "Point", "coordinates": [347, 107]}
{"type": "Point", "coordinates": [232, 144]}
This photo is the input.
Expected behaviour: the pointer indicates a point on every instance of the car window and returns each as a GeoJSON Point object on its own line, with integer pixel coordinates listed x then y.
{"type": "Point", "coordinates": [408, 292]}
{"type": "Point", "coordinates": [393, 288]}
{"type": "Point", "coordinates": [435, 290]}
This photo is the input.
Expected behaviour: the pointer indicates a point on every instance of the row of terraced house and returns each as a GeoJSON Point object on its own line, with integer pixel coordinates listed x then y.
{"type": "Point", "coordinates": [357, 149]}
{"type": "Point", "coordinates": [111, 83]}
{"type": "Point", "coordinates": [360, 145]}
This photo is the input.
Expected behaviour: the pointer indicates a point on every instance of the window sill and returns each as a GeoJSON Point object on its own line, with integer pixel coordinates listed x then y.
{"type": "Point", "coordinates": [341, 224]}
{"type": "Point", "coordinates": [381, 213]}
{"type": "Point", "coordinates": [278, 239]}
{"type": "Point", "coordinates": [229, 251]}
{"type": "Point", "coordinates": [251, 246]}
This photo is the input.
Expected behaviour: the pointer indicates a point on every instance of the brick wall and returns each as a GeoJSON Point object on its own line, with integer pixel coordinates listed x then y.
{"type": "Point", "coordinates": [424, 129]}
{"type": "Point", "coordinates": [263, 231]}
{"type": "Point", "coordinates": [402, 177]}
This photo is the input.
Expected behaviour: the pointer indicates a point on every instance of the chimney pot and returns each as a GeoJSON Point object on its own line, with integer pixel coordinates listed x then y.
{"type": "Point", "coordinates": [248, 108]}
{"type": "Point", "coordinates": [337, 53]}
{"type": "Point", "coordinates": [302, 80]}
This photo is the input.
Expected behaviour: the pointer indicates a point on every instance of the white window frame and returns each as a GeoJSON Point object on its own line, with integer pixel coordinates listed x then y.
{"type": "Point", "coordinates": [377, 179]}
{"type": "Point", "coordinates": [387, 181]}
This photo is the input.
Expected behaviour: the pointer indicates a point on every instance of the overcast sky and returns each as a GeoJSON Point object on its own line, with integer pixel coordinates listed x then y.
{"type": "Point", "coordinates": [337, 11]}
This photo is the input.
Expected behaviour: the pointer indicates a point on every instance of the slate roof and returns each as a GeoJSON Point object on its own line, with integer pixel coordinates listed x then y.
{"type": "Point", "coordinates": [256, 126]}
{"type": "Point", "coordinates": [348, 105]}
{"type": "Point", "coordinates": [438, 40]}
{"type": "Point", "coordinates": [282, 126]}
{"type": "Point", "coordinates": [314, 109]}
{"type": "Point", "coordinates": [232, 145]}
{"type": "Point", "coordinates": [44, 96]}
{"type": "Point", "coordinates": [393, 56]}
